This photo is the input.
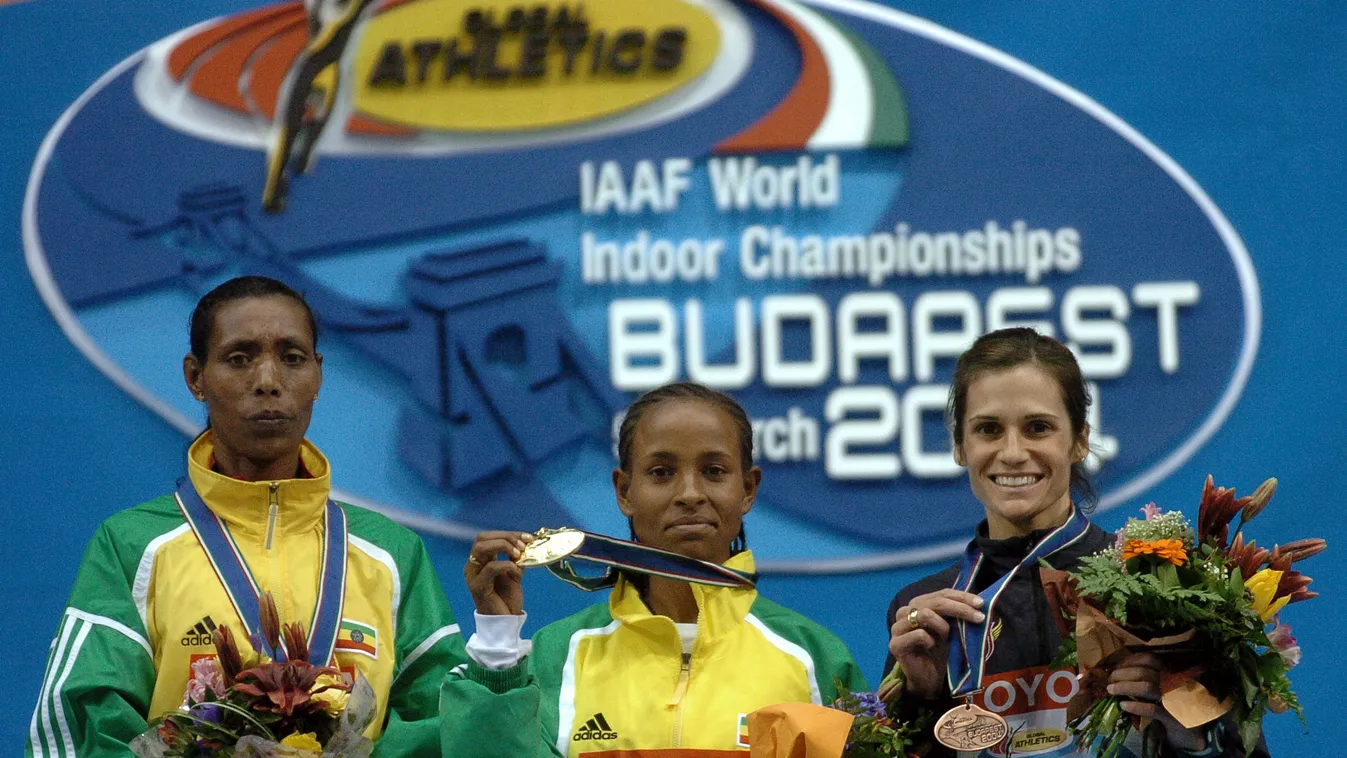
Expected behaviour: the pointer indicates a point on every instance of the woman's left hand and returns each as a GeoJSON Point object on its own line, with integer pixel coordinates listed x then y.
{"type": "Point", "coordinates": [1137, 681]}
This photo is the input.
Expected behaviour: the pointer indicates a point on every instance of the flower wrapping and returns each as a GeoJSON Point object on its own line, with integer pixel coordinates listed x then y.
{"type": "Point", "coordinates": [857, 725]}
{"type": "Point", "coordinates": [798, 730]}
{"type": "Point", "coordinates": [1202, 601]}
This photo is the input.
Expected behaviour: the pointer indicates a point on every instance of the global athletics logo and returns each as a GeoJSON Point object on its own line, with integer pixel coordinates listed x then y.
{"type": "Point", "coordinates": [502, 70]}
{"type": "Point", "coordinates": [513, 222]}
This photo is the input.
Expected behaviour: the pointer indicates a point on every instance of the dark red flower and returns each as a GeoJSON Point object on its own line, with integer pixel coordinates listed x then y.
{"type": "Point", "coordinates": [270, 620]}
{"type": "Point", "coordinates": [1219, 506]}
{"type": "Point", "coordinates": [1214, 513]}
{"type": "Point", "coordinates": [231, 663]}
{"type": "Point", "coordinates": [1296, 585]}
{"type": "Point", "coordinates": [296, 642]}
{"type": "Point", "coordinates": [1255, 503]}
{"type": "Point", "coordinates": [1247, 558]}
{"type": "Point", "coordinates": [285, 686]}
{"type": "Point", "coordinates": [1299, 550]}
{"type": "Point", "coordinates": [1292, 583]}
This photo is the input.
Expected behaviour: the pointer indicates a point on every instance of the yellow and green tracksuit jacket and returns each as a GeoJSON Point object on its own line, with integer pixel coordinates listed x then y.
{"type": "Point", "coordinates": [146, 600]}
{"type": "Point", "coordinates": [612, 680]}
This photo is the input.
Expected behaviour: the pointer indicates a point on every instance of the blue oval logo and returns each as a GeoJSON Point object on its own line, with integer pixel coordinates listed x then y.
{"type": "Point", "coordinates": [819, 220]}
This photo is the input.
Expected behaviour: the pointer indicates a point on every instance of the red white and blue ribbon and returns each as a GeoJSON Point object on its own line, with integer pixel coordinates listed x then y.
{"type": "Point", "coordinates": [242, 588]}
{"type": "Point", "coordinates": [622, 555]}
{"type": "Point", "coordinates": [965, 670]}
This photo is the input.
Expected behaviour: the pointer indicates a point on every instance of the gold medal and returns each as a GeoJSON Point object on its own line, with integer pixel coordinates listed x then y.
{"type": "Point", "coordinates": [550, 546]}
{"type": "Point", "coordinates": [969, 728]}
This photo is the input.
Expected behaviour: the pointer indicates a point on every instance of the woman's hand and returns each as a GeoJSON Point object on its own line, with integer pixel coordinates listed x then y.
{"type": "Point", "coordinates": [493, 581]}
{"type": "Point", "coordinates": [919, 639]}
{"type": "Point", "coordinates": [1137, 681]}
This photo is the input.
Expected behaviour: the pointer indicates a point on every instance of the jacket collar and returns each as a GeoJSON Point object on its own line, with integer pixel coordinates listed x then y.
{"type": "Point", "coordinates": [719, 609]}
{"type": "Point", "coordinates": [999, 556]}
{"type": "Point", "coordinates": [1011, 547]}
{"type": "Point", "coordinates": [244, 505]}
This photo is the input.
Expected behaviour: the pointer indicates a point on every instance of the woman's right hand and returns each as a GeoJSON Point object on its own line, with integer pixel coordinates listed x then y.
{"type": "Point", "coordinates": [495, 581]}
{"type": "Point", "coordinates": [919, 638]}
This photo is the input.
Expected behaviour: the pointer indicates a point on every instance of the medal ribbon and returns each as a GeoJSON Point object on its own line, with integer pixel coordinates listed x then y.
{"type": "Point", "coordinates": [965, 669]}
{"type": "Point", "coordinates": [242, 589]}
{"type": "Point", "coordinates": [642, 559]}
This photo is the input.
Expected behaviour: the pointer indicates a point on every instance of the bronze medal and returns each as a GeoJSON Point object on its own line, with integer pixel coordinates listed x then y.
{"type": "Point", "coordinates": [970, 728]}
{"type": "Point", "coordinates": [550, 546]}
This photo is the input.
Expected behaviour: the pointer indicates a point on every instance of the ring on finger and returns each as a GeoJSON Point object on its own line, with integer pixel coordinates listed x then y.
{"type": "Point", "coordinates": [913, 618]}
{"type": "Point", "coordinates": [473, 560]}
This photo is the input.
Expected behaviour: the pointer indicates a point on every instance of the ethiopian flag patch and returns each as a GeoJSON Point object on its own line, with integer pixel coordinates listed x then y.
{"type": "Point", "coordinates": [355, 637]}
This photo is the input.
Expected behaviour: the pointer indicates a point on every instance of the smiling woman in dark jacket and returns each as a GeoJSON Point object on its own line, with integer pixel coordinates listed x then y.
{"type": "Point", "coordinates": [1017, 411]}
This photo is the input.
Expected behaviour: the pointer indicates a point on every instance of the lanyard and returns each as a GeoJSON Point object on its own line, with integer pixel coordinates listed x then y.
{"type": "Point", "coordinates": [243, 591]}
{"type": "Point", "coordinates": [643, 559]}
{"type": "Point", "coordinates": [965, 670]}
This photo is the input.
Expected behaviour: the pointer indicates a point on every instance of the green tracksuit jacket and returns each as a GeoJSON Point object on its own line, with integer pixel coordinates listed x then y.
{"type": "Point", "coordinates": [146, 599]}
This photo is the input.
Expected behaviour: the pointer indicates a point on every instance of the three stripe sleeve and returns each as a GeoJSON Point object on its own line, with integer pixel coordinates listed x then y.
{"type": "Point", "coordinates": [100, 673]}
{"type": "Point", "coordinates": [95, 690]}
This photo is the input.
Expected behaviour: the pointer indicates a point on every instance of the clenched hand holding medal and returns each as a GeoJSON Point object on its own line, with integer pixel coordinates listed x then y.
{"type": "Point", "coordinates": [559, 549]}
{"type": "Point", "coordinates": [922, 636]}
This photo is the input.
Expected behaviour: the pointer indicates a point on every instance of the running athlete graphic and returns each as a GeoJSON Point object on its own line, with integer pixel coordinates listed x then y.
{"type": "Point", "coordinates": [310, 93]}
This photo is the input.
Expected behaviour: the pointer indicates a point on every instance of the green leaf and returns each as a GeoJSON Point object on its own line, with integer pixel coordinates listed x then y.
{"type": "Point", "coordinates": [1249, 732]}
{"type": "Point", "coordinates": [248, 716]}
{"type": "Point", "coordinates": [1169, 575]}
{"type": "Point", "coordinates": [1271, 665]}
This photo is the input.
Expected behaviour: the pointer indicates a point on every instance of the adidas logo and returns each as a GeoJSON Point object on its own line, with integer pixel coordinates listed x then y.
{"type": "Point", "coordinates": [595, 729]}
{"type": "Point", "coordinates": [199, 635]}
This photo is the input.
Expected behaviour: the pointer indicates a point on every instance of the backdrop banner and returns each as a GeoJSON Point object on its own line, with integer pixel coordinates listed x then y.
{"type": "Point", "coordinates": [510, 220]}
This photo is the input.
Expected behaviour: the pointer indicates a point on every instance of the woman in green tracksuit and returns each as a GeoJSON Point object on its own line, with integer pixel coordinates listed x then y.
{"type": "Point", "coordinates": [664, 667]}
{"type": "Point", "coordinates": [149, 595]}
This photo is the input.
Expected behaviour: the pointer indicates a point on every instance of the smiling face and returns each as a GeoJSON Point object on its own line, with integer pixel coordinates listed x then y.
{"type": "Point", "coordinates": [1018, 448]}
{"type": "Point", "coordinates": [258, 380]}
{"type": "Point", "coordinates": [687, 489]}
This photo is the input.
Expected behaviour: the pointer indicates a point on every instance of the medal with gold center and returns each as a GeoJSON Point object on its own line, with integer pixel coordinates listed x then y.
{"type": "Point", "coordinates": [551, 545]}
{"type": "Point", "coordinates": [560, 549]}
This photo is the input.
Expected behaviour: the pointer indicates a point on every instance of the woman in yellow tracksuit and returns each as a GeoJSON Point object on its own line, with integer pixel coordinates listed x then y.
{"type": "Point", "coordinates": [147, 597]}
{"type": "Point", "coordinates": [664, 667]}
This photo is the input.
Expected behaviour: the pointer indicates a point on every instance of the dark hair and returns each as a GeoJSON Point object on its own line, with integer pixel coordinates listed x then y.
{"type": "Point", "coordinates": [240, 288]}
{"type": "Point", "coordinates": [1005, 349]}
{"type": "Point", "coordinates": [689, 391]}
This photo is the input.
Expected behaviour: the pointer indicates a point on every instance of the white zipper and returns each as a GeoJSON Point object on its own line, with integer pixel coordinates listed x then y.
{"type": "Point", "coordinates": [680, 690]}
{"type": "Point", "coordinates": [272, 513]}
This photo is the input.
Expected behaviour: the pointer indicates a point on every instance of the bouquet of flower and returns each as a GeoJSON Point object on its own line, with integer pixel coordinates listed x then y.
{"type": "Point", "coordinates": [858, 725]}
{"type": "Point", "coordinates": [1205, 604]}
{"type": "Point", "coordinates": [258, 708]}
{"type": "Point", "coordinates": [877, 731]}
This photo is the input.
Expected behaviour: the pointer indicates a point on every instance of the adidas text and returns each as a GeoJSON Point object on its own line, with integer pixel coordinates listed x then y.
{"type": "Point", "coordinates": [200, 635]}
{"type": "Point", "coordinates": [596, 728]}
